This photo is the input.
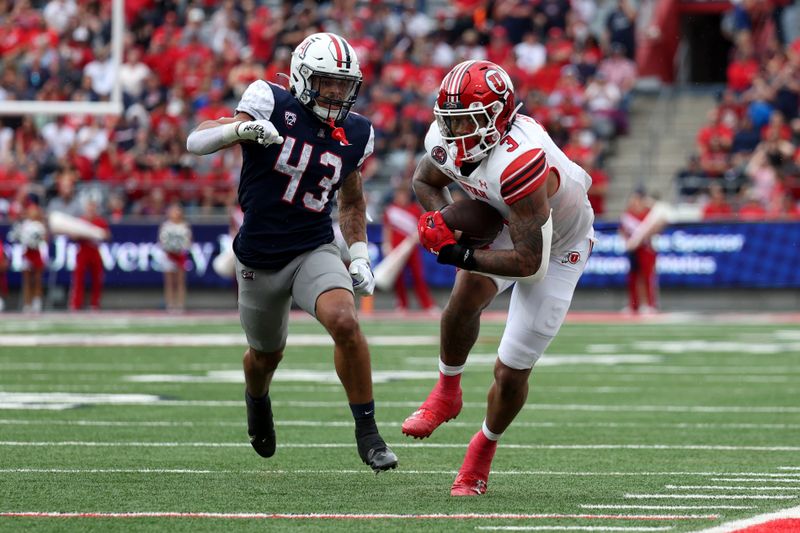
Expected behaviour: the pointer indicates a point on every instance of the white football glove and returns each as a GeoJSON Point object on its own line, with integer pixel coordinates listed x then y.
{"type": "Point", "coordinates": [360, 271]}
{"type": "Point", "coordinates": [261, 131]}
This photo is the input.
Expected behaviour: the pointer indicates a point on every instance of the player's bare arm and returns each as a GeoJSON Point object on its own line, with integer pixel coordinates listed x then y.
{"type": "Point", "coordinates": [214, 135]}
{"type": "Point", "coordinates": [526, 218]}
{"type": "Point", "coordinates": [430, 185]}
{"type": "Point", "coordinates": [353, 209]}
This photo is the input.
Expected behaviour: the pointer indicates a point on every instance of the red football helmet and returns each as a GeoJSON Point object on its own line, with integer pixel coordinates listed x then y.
{"type": "Point", "coordinates": [474, 109]}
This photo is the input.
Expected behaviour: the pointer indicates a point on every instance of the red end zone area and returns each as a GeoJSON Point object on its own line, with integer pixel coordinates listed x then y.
{"type": "Point", "coordinates": [788, 525]}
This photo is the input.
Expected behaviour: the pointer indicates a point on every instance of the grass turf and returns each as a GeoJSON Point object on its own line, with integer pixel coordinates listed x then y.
{"type": "Point", "coordinates": [616, 413]}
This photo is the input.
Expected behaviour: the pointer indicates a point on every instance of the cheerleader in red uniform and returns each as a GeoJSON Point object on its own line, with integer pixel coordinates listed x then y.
{"type": "Point", "coordinates": [32, 234]}
{"type": "Point", "coordinates": [175, 238]}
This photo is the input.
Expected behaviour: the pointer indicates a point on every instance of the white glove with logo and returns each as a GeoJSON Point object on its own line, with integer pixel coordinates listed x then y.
{"type": "Point", "coordinates": [360, 271]}
{"type": "Point", "coordinates": [261, 131]}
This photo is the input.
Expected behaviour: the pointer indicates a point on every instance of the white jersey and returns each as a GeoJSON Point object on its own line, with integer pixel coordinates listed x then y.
{"type": "Point", "coordinates": [516, 167]}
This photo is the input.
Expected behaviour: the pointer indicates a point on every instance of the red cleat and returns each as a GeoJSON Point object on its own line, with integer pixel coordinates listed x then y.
{"type": "Point", "coordinates": [435, 411]}
{"type": "Point", "coordinates": [473, 476]}
{"type": "Point", "coordinates": [468, 484]}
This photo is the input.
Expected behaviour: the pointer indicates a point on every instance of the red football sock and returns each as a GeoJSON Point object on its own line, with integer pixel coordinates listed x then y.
{"type": "Point", "coordinates": [449, 383]}
{"type": "Point", "coordinates": [480, 453]}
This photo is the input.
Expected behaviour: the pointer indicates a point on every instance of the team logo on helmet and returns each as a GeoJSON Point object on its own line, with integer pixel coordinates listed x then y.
{"type": "Point", "coordinates": [496, 81]}
{"type": "Point", "coordinates": [290, 118]}
{"type": "Point", "coordinates": [439, 154]}
{"type": "Point", "coordinates": [572, 258]}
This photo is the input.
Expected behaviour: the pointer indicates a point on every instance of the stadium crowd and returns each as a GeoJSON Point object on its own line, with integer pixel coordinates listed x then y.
{"type": "Point", "coordinates": [748, 165]}
{"type": "Point", "coordinates": [184, 63]}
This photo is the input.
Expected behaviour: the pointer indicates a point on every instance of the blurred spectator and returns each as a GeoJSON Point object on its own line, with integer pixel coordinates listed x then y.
{"type": "Point", "coordinates": [642, 275]}
{"type": "Point", "coordinates": [691, 179]}
{"type": "Point", "coordinates": [530, 53]}
{"type": "Point", "coordinates": [65, 200]}
{"type": "Point", "coordinates": [399, 223]}
{"type": "Point", "coordinates": [599, 189]}
{"type": "Point", "coordinates": [786, 209]}
{"type": "Point", "coordinates": [620, 71]}
{"type": "Point", "coordinates": [175, 239]}
{"type": "Point", "coordinates": [132, 74]}
{"type": "Point", "coordinates": [3, 277]}
{"type": "Point", "coordinates": [245, 73]}
{"type": "Point", "coordinates": [88, 261]}
{"type": "Point", "coordinates": [765, 169]}
{"type": "Point", "coordinates": [750, 208]}
{"type": "Point", "coordinates": [603, 100]}
{"type": "Point", "coordinates": [717, 206]}
{"type": "Point", "coordinates": [621, 27]}
{"type": "Point", "coordinates": [102, 72]}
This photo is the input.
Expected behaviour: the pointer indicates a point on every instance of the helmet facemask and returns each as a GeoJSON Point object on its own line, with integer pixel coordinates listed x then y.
{"type": "Point", "coordinates": [330, 108]}
{"type": "Point", "coordinates": [482, 134]}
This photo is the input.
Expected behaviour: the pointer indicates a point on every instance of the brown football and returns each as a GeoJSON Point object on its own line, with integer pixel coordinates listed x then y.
{"type": "Point", "coordinates": [478, 222]}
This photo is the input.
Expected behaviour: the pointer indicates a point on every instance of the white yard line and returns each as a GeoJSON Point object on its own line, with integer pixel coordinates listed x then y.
{"type": "Point", "coordinates": [653, 447]}
{"type": "Point", "coordinates": [112, 471]}
{"type": "Point", "coordinates": [711, 496]}
{"type": "Point", "coordinates": [363, 471]}
{"type": "Point", "coordinates": [725, 487]}
{"type": "Point", "coordinates": [353, 516]}
{"type": "Point", "coordinates": [195, 339]}
{"type": "Point", "coordinates": [575, 528]}
{"type": "Point", "coordinates": [736, 525]}
{"type": "Point", "coordinates": [349, 423]}
{"type": "Point", "coordinates": [12, 398]}
{"type": "Point", "coordinates": [666, 507]}
{"type": "Point", "coordinates": [755, 480]}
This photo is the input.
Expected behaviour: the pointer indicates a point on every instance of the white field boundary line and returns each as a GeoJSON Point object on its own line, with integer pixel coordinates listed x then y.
{"type": "Point", "coordinates": [789, 468]}
{"type": "Point", "coordinates": [736, 525]}
{"type": "Point", "coordinates": [329, 445]}
{"type": "Point", "coordinates": [667, 507]}
{"type": "Point", "coordinates": [724, 487]}
{"type": "Point", "coordinates": [754, 480]}
{"type": "Point", "coordinates": [711, 496]}
{"type": "Point", "coordinates": [359, 471]}
{"type": "Point", "coordinates": [578, 528]}
{"type": "Point", "coordinates": [349, 424]}
{"type": "Point", "coordinates": [198, 339]}
{"type": "Point", "coordinates": [365, 516]}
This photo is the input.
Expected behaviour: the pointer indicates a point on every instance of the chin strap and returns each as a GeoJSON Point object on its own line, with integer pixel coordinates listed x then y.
{"type": "Point", "coordinates": [338, 133]}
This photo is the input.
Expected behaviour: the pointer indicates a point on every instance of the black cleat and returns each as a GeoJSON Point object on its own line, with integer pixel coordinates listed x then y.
{"type": "Point", "coordinates": [374, 452]}
{"type": "Point", "coordinates": [260, 426]}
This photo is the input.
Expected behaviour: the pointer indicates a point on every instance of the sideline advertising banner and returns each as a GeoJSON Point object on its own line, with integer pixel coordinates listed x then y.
{"type": "Point", "coordinates": [722, 255]}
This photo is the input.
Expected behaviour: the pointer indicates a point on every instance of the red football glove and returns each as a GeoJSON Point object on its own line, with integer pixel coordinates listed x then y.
{"type": "Point", "coordinates": [433, 232]}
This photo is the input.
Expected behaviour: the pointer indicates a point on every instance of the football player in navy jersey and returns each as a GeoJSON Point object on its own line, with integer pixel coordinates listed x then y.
{"type": "Point", "coordinates": [299, 148]}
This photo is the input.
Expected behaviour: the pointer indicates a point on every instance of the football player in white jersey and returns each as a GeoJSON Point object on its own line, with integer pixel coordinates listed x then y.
{"type": "Point", "coordinates": [510, 162]}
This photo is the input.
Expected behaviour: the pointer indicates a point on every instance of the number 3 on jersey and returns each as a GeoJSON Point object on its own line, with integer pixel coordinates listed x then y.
{"type": "Point", "coordinates": [295, 173]}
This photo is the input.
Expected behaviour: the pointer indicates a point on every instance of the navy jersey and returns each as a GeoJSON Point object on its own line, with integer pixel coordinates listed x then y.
{"type": "Point", "coordinates": [285, 190]}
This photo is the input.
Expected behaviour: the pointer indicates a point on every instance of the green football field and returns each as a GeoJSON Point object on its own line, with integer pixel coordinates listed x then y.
{"type": "Point", "coordinates": [137, 423]}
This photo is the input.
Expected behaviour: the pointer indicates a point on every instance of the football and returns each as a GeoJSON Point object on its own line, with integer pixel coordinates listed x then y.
{"type": "Point", "coordinates": [478, 222]}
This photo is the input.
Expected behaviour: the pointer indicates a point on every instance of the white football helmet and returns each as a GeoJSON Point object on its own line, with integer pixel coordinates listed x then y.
{"type": "Point", "coordinates": [325, 58]}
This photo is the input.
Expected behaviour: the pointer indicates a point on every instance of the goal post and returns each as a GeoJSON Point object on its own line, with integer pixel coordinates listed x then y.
{"type": "Point", "coordinates": [113, 106]}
